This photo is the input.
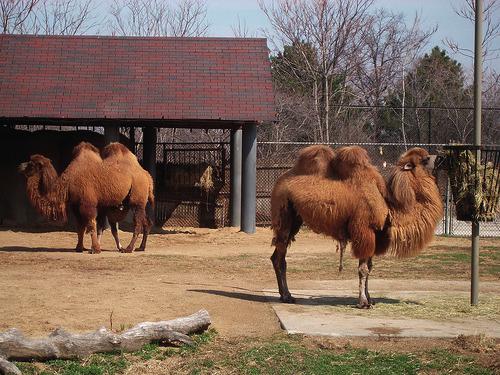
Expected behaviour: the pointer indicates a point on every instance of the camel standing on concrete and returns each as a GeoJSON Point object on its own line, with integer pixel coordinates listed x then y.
{"type": "Point", "coordinates": [350, 201]}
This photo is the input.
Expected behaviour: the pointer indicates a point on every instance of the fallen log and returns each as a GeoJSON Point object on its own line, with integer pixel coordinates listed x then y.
{"type": "Point", "coordinates": [64, 345]}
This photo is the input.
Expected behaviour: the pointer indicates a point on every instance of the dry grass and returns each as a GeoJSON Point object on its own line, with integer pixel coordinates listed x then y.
{"type": "Point", "coordinates": [435, 307]}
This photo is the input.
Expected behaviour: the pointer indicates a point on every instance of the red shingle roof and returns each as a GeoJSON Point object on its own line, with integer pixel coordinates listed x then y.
{"type": "Point", "coordinates": [93, 77]}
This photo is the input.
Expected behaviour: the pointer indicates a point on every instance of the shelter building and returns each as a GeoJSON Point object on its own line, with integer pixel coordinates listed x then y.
{"type": "Point", "coordinates": [146, 82]}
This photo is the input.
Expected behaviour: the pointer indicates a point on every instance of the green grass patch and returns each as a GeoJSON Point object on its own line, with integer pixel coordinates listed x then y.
{"type": "Point", "coordinates": [275, 356]}
{"type": "Point", "coordinates": [460, 257]}
{"type": "Point", "coordinates": [443, 361]}
{"type": "Point", "coordinates": [96, 364]}
{"type": "Point", "coordinates": [199, 341]}
{"type": "Point", "coordinates": [288, 358]}
{"type": "Point", "coordinates": [116, 363]}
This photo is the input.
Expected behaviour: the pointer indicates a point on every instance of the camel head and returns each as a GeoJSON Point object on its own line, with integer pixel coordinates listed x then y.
{"type": "Point", "coordinates": [44, 193]}
{"type": "Point", "coordinates": [39, 165]}
{"type": "Point", "coordinates": [411, 178]}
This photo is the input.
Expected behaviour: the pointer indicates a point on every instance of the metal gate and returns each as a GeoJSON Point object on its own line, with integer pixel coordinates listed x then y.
{"type": "Point", "coordinates": [191, 184]}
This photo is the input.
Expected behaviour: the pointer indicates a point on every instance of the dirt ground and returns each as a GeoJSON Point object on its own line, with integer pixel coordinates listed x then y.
{"type": "Point", "coordinates": [44, 284]}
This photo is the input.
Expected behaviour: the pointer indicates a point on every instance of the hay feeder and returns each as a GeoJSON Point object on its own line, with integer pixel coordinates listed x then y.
{"type": "Point", "coordinates": [474, 173]}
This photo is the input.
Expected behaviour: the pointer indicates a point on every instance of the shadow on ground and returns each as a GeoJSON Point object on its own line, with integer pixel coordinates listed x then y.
{"type": "Point", "coordinates": [25, 249]}
{"type": "Point", "coordinates": [299, 298]}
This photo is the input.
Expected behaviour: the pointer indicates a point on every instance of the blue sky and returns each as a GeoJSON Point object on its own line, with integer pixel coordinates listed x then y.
{"type": "Point", "coordinates": [222, 14]}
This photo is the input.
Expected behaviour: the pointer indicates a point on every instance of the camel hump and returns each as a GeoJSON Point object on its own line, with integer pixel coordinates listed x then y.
{"type": "Point", "coordinates": [115, 148]}
{"type": "Point", "coordinates": [314, 160]}
{"type": "Point", "coordinates": [84, 146]}
{"type": "Point", "coordinates": [349, 160]}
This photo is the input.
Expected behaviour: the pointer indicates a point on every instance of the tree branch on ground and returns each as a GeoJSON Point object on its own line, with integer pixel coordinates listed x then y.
{"type": "Point", "coordinates": [64, 345]}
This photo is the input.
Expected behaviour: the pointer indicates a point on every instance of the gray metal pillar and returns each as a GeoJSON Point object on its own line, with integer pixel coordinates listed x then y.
{"type": "Point", "coordinates": [111, 133]}
{"type": "Point", "coordinates": [236, 156]}
{"type": "Point", "coordinates": [478, 70]}
{"type": "Point", "coordinates": [149, 150]}
{"type": "Point", "coordinates": [149, 160]}
{"type": "Point", "coordinates": [249, 178]}
{"type": "Point", "coordinates": [132, 138]}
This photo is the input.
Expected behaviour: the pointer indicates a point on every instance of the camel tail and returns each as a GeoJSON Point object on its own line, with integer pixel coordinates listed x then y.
{"type": "Point", "coordinates": [150, 205]}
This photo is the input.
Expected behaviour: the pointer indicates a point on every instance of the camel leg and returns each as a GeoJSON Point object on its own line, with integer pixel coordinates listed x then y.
{"type": "Point", "coordinates": [363, 272]}
{"type": "Point", "coordinates": [139, 216]}
{"type": "Point", "coordinates": [290, 225]}
{"type": "Point", "coordinates": [114, 231]}
{"type": "Point", "coordinates": [81, 232]}
{"type": "Point", "coordinates": [80, 229]}
{"type": "Point", "coordinates": [341, 246]}
{"type": "Point", "coordinates": [101, 225]}
{"type": "Point", "coordinates": [146, 228]}
{"type": "Point", "coordinates": [370, 267]}
{"type": "Point", "coordinates": [279, 264]}
{"type": "Point", "coordinates": [88, 213]}
{"type": "Point", "coordinates": [96, 246]}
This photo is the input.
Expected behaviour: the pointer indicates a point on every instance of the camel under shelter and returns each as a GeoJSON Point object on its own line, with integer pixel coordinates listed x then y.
{"type": "Point", "coordinates": [123, 85]}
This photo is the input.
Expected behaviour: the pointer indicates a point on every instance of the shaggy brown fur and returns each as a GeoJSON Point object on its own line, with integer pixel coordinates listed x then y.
{"type": "Point", "coordinates": [415, 204]}
{"type": "Point", "coordinates": [314, 160]}
{"type": "Point", "coordinates": [355, 205]}
{"type": "Point", "coordinates": [87, 184]}
{"type": "Point", "coordinates": [116, 155]}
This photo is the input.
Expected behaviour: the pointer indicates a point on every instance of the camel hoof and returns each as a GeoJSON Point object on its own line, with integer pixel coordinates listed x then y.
{"type": "Point", "coordinates": [79, 250]}
{"type": "Point", "coordinates": [287, 299]}
{"type": "Point", "coordinates": [140, 249]}
{"type": "Point", "coordinates": [128, 250]}
{"type": "Point", "coordinates": [95, 251]}
{"type": "Point", "coordinates": [364, 305]}
{"type": "Point", "coordinates": [122, 250]}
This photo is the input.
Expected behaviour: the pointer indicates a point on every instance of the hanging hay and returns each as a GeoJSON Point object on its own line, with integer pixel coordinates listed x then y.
{"type": "Point", "coordinates": [475, 184]}
{"type": "Point", "coordinates": [206, 181]}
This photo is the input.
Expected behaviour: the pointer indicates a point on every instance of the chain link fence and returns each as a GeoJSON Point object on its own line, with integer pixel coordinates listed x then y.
{"type": "Point", "coordinates": [274, 158]}
{"type": "Point", "coordinates": [193, 181]}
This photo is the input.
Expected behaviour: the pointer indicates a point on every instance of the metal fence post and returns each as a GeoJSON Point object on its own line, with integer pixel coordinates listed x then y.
{"type": "Point", "coordinates": [478, 66]}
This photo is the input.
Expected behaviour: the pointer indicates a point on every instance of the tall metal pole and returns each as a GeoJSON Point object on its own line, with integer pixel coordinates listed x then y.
{"type": "Point", "coordinates": [149, 139]}
{"type": "Point", "coordinates": [236, 155]}
{"type": "Point", "coordinates": [249, 178]}
{"type": "Point", "coordinates": [478, 66]}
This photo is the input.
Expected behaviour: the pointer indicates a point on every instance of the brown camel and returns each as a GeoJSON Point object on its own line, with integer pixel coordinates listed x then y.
{"type": "Point", "coordinates": [116, 155]}
{"type": "Point", "coordinates": [351, 202]}
{"type": "Point", "coordinates": [89, 186]}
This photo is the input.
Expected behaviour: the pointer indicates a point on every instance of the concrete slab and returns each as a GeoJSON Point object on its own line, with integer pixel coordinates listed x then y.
{"type": "Point", "coordinates": [317, 312]}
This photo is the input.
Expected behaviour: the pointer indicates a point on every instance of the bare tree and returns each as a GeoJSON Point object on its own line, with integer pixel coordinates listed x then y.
{"type": "Point", "coordinates": [64, 17]}
{"type": "Point", "coordinates": [388, 44]}
{"type": "Point", "coordinates": [14, 13]}
{"type": "Point", "coordinates": [188, 18]}
{"type": "Point", "coordinates": [185, 18]}
{"type": "Point", "coordinates": [241, 30]}
{"type": "Point", "coordinates": [491, 28]}
{"type": "Point", "coordinates": [329, 28]}
{"type": "Point", "coordinates": [491, 98]}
